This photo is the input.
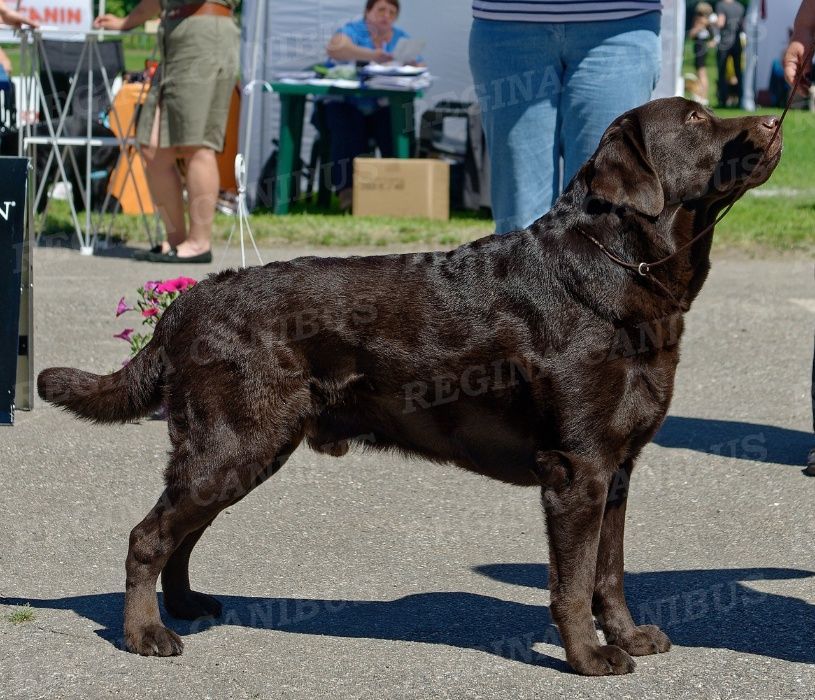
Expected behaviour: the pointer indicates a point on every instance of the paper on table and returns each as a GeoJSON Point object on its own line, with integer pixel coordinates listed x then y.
{"type": "Point", "coordinates": [407, 50]}
{"type": "Point", "coordinates": [392, 68]}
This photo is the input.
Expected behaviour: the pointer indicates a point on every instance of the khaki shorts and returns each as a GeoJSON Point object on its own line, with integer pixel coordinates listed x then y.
{"type": "Point", "coordinates": [193, 84]}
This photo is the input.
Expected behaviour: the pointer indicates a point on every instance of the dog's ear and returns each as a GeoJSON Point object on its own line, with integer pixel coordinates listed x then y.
{"type": "Point", "coordinates": [623, 174]}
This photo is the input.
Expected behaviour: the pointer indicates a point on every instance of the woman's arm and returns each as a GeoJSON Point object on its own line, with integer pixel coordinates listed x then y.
{"type": "Point", "coordinates": [12, 18]}
{"type": "Point", "coordinates": [146, 9]}
{"type": "Point", "coordinates": [341, 48]}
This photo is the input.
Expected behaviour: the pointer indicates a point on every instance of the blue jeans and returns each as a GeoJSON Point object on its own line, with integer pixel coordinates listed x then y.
{"type": "Point", "coordinates": [547, 93]}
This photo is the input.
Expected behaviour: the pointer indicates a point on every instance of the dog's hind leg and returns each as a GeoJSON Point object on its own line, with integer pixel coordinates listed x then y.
{"type": "Point", "coordinates": [608, 602]}
{"type": "Point", "coordinates": [574, 512]}
{"type": "Point", "coordinates": [165, 538]}
{"type": "Point", "coordinates": [180, 600]}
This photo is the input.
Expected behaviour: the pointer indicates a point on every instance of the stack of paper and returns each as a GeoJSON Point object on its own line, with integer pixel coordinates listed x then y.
{"type": "Point", "coordinates": [394, 82]}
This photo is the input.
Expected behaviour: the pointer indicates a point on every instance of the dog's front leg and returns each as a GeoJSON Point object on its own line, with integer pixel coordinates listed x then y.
{"type": "Point", "coordinates": [608, 603]}
{"type": "Point", "coordinates": [574, 495]}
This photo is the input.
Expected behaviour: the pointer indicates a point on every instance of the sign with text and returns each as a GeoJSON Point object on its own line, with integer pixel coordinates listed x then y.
{"type": "Point", "coordinates": [14, 178]}
{"type": "Point", "coordinates": [64, 17]}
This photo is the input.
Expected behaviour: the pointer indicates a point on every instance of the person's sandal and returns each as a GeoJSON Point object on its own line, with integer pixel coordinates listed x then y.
{"type": "Point", "coordinates": [172, 256]}
{"type": "Point", "coordinates": [142, 254]}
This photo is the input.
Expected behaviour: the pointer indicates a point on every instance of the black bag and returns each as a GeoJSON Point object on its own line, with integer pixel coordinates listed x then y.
{"type": "Point", "coordinates": [466, 152]}
{"type": "Point", "coordinates": [63, 59]}
{"type": "Point", "coordinates": [266, 195]}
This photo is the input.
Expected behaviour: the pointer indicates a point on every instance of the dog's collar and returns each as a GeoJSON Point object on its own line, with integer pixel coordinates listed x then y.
{"type": "Point", "coordinates": [643, 269]}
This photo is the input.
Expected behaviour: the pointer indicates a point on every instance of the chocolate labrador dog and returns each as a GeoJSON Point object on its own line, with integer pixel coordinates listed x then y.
{"type": "Point", "coordinates": [533, 358]}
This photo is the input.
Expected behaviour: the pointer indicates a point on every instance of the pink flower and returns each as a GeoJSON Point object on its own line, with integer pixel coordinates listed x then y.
{"type": "Point", "coordinates": [122, 307]}
{"type": "Point", "coordinates": [180, 284]}
{"type": "Point", "coordinates": [152, 311]}
{"type": "Point", "coordinates": [151, 286]}
{"type": "Point", "coordinates": [125, 334]}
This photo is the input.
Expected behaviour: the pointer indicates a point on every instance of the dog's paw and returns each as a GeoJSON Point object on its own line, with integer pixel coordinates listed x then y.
{"type": "Point", "coordinates": [602, 661]}
{"type": "Point", "coordinates": [192, 605]}
{"type": "Point", "coordinates": [644, 640]}
{"type": "Point", "coordinates": [154, 640]}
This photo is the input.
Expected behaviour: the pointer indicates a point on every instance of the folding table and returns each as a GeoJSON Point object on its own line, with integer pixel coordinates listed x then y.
{"type": "Point", "coordinates": [292, 111]}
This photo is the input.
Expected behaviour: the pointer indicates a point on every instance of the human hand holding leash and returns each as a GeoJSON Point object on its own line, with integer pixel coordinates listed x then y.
{"type": "Point", "coordinates": [798, 56]}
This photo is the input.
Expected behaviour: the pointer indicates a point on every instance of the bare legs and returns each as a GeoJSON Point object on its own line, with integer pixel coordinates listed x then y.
{"type": "Point", "coordinates": [165, 184]}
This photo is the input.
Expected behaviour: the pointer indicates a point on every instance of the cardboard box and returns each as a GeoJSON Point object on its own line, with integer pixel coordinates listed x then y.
{"type": "Point", "coordinates": [402, 187]}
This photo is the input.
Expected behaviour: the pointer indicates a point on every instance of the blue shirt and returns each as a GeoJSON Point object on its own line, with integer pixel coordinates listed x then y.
{"type": "Point", "coordinates": [358, 33]}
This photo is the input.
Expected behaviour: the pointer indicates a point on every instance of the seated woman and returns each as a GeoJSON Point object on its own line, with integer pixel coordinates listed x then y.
{"type": "Point", "coordinates": [352, 121]}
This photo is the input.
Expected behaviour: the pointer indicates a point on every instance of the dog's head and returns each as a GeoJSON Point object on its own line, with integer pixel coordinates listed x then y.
{"type": "Point", "coordinates": [673, 151]}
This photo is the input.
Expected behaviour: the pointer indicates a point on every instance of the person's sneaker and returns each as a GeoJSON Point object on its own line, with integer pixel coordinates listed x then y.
{"type": "Point", "coordinates": [810, 468]}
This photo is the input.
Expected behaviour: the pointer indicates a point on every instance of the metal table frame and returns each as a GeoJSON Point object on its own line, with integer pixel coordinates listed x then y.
{"type": "Point", "coordinates": [292, 112]}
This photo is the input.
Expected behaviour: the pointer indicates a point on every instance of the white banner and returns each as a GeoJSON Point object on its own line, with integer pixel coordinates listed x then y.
{"type": "Point", "coordinates": [62, 19]}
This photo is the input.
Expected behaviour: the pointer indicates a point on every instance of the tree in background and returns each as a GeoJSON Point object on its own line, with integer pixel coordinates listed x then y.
{"type": "Point", "coordinates": [117, 7]}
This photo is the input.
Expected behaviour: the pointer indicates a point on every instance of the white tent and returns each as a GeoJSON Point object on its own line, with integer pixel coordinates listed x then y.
{"type": "Point", "coordinates": [292, 34]}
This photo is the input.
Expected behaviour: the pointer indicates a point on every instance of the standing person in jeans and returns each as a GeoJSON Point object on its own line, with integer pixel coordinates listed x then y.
{"type": "Point", "coordinates": [184, 117]}
{"type": "Point", "coordinates": [730, 22]}
{"type": "Point", "coordinates": [801, 40]}
{"type": "Point", "coordinates": [549, 80]}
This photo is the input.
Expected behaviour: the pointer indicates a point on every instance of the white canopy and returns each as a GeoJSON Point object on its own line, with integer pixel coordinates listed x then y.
{"type": "Point", "coordinates": [292, 34]}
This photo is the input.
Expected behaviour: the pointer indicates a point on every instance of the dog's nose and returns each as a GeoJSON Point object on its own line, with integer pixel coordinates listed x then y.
{"type": "Point", "coordinates": [769, 122]}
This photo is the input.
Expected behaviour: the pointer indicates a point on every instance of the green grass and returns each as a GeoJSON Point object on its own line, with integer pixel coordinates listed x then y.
{"type": "Point", "coordinates": [21, 615]}
{"type": "Point", "coordinates": [306, 227]}
{"type": "Point", "coordinates": [781, 213]}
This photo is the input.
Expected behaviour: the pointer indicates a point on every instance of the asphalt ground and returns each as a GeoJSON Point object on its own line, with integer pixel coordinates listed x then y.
{"type": "Point", "coordinates": [373, 576]}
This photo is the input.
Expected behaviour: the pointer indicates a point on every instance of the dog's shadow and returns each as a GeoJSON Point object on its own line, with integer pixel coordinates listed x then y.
{"type": "Point", "coordinates": [737, 440]}
{"type": "Point", "coordinates": [697, 608]}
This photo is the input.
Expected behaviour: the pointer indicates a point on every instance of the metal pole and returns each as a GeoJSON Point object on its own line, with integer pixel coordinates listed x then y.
{"type": "Point", "coordinates": [90, 239]}
{"type": "Point", "coordinates": [260, 26]}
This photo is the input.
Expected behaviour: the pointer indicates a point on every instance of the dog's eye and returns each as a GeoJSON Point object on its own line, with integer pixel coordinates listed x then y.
{"type": "Point", "coordinates": [695, 116]}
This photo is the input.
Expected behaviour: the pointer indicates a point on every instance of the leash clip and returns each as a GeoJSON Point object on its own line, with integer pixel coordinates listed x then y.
{"type": "Point", "coordinates": [643, 269]}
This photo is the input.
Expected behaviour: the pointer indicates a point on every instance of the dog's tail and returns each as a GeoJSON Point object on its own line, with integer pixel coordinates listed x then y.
{"type": "Point", "coordinates": [126, 395]}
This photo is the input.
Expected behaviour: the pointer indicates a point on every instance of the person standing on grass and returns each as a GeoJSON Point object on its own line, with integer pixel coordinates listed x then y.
{"type": "Point", "coordinates": [730, 20]}
{"type": "Point", "coordinates": [550, 76]}
{"type": "Point", "coordinates": [701, 32]}
{"type": "Point", "coordinates": [795, 57]}
{"type": "Point", "coordinates": [184, 117]}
